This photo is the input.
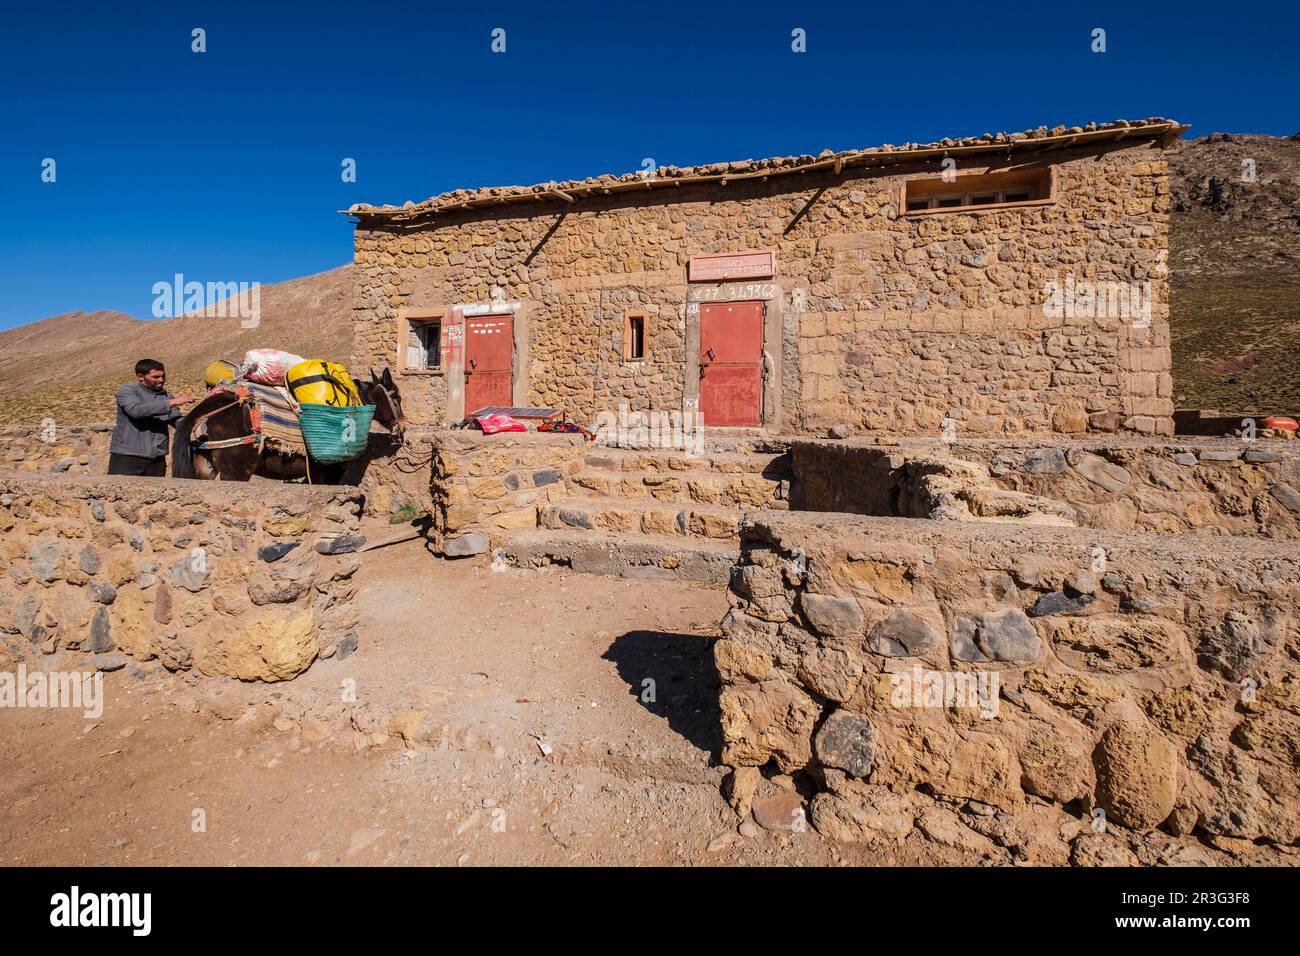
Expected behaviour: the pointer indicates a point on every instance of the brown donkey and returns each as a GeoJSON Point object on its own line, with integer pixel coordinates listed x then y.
{"type": "Point", "coordinates": [229, 419]}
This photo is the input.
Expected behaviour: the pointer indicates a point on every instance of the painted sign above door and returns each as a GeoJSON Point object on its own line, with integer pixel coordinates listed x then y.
{"type": "Point", "coordinates": [718, 267]}
{"type": "Point", "coordinates": [733, 292]}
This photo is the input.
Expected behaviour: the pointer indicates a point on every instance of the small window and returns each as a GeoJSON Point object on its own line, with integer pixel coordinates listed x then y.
{"type": "Point", "coordinates": [634, 337]}
{"type": "Point", "coordinates": [424, 346]}
{"type": "Point", "coordinates": [978, 189]}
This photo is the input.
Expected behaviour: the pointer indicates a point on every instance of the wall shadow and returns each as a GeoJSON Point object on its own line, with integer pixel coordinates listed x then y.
{"type": "Point", "coordinates": [381, 448]}
{"type": "Point", "coordinates": [686, 682]}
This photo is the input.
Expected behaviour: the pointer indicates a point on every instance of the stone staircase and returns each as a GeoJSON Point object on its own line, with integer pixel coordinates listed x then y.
{"type": "Point", "coordinates": [657, 514]}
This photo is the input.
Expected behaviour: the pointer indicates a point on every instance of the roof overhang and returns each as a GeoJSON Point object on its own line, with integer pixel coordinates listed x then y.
{"type": "Point", "coordinates": [1164, 132]}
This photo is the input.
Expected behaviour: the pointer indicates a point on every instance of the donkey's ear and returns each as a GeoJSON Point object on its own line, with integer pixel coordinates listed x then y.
{"type": "Point", "coordinates": [388, 376]}
{"type": "Point", "coordinates": [374, 376]}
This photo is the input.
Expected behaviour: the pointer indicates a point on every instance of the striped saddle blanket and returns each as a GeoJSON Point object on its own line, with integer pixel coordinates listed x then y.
{"type": "Point", "coordinates": [276, 416]}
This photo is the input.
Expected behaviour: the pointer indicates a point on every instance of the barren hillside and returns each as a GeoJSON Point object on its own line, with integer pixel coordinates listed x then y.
{"type": "Point", "coordinates": [1235, 261]}
{"type": "Point", "coordinates": [68, 366]}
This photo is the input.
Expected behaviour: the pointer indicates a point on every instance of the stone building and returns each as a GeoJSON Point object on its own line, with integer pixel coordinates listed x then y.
{"type": "Point", "coordinates": [996, 285]}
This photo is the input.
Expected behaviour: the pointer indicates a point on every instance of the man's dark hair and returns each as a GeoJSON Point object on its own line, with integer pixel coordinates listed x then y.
{"type": "Point", "coordinates": [145, 366]}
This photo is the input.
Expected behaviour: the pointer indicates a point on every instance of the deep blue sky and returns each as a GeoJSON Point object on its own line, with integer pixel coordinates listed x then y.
{"type": "Point", "coordinates": [225, 165]}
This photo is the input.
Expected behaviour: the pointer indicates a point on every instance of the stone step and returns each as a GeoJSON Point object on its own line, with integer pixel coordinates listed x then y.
{"type": "Point", "coordinates": [741, 491]}
{"type": "Point", "coordinates": [633, 518]}
{"type": "Point", "coordinates": [768, 463]}
{"type": "Point", "coordinates": [649, 557]}
{"type": "Point", "coordinates": [716, 445]}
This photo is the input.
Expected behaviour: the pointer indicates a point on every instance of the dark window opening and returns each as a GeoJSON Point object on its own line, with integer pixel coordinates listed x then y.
{"type": "Point", "coordinates": [634, 337]}
{"type": "Point", "coordinates": [424, 346]}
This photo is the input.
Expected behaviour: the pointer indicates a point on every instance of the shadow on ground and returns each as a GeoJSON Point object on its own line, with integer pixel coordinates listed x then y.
{"type": "Point", "coordinates": [685, 682]}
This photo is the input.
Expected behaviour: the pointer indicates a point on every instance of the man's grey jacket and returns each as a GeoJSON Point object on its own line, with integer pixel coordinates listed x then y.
{"type": "Point", "coordinates": [143, 416]}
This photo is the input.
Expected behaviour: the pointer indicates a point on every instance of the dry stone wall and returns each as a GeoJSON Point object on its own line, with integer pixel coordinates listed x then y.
{"type": "Point", "coordinates": [245, 581]}
{"type": "Point", "coordinates": [1201, 486]}
{"type": "Point", "coordinates": [397, 479]}
{"type": "Point", "coordinates": [890, 322]}
{"type": "Point", "coordinates": [910, 671]}
{"type": "Point", "coordinates": [80, 449]}
{"type": "Point", "coordinates": [486, 486]}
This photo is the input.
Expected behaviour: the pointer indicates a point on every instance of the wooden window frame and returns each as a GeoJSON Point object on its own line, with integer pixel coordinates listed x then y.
{"type": "Point", "coordinates": [406, 318]}
{"type": "Point", "coordinates": [645, 336]}
{"type": "Point", "coordinates": [1038, 180]}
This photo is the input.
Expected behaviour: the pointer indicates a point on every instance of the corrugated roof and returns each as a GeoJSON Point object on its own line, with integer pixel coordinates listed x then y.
{"type": "Point", "coordinates": [573, 191]}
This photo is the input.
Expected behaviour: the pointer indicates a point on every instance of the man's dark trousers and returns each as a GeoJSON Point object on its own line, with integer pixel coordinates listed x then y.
{"type": "Point", "coordinates": [137, 465]}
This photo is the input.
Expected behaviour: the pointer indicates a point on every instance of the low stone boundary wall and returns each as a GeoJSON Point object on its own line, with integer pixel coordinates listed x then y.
{"type": "Point", "coordinates": [393, 477]}
{"type": "Point", "coordinates": [398, 478]}
{"type": "Point", "coordinates": [72, 449]}
{"type": "Point", "coordinates": [1200, 487]}
{"type": "Point", "coordinates": [887, 665]}
{"type": "Point", "coordinates": [485, 486]}
{"type": "Point", "coordinates": [250, 581]}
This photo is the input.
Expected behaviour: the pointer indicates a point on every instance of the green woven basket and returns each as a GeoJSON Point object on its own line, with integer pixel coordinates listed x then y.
{"type": "Point", "coordinates": [335, 433]}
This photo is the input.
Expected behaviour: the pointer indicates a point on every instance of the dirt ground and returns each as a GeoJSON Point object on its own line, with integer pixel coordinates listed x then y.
{"type": "Point", "coordinates": [547, 744]}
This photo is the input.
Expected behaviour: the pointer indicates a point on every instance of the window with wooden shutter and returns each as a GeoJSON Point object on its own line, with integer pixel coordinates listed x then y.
{"type": "Point", "coordinates": [966, 191]}
{"type": "Point", "coordinates": [634, 336]}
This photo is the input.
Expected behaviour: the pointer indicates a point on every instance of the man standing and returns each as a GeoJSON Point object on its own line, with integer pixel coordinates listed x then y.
{"type": "Point", "coordinates": [144, 412]}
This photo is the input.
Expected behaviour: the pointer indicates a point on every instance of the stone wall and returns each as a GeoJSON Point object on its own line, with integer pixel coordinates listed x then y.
{"type": "Point", "coordinates": [398, 477]}
{"type": "Point", "coordinates": [485, 486]}
{"type": "Point", "coordinates": [391, 476]}
{"type": "Point", "coordinates": [73, 449]}
{"type": "Point", "coordinates": [238, 580]}
{"type": "Point", "coordinates": [1158, 686]}
{"type": "Point", "coordinates": [888, 321]}
{"type": "Point", "coordinates": [1198, 486]}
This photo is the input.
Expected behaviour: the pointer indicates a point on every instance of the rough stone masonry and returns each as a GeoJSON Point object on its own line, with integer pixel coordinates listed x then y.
{"type": "Point", "coordinates": [1155, 685]}
{"type": "Point", "coordinates": [877, 315]}
{"type": "Point", "coordinates": [233, 580]}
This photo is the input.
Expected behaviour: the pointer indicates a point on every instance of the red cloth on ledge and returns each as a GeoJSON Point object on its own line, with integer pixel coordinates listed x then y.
{"type": "Point", "coordinates": [491, 424]}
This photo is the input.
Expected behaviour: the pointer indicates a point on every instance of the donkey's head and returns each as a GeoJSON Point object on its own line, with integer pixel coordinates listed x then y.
{"type": "Point", "coordinates": [383, 394]}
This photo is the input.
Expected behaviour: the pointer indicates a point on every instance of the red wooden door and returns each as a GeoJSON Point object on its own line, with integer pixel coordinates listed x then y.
{"type": "Point", "coordinates": [489, 360]}
{"type": "Point", "coordinates": [731, 363]}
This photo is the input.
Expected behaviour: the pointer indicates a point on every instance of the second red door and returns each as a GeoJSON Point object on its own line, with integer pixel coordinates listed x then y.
{"type": "Point", "coordinates": [731, 363]}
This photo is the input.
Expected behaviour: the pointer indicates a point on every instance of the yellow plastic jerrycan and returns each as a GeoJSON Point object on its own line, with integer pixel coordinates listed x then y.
{"type": "Point", "coordinates": [220, 371]}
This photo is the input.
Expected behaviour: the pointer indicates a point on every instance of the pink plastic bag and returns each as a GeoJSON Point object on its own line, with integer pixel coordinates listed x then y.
{"type": "Point", "coordinates": [268, 366]}
{"type": "Point", "coordinates": [491, 424]}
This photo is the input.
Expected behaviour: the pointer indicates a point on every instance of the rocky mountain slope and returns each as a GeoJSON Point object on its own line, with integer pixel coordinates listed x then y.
{"type": "Point", "coordinates": [67, 367]}
{"type": "Point", "coordinates": [1235, 264]}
